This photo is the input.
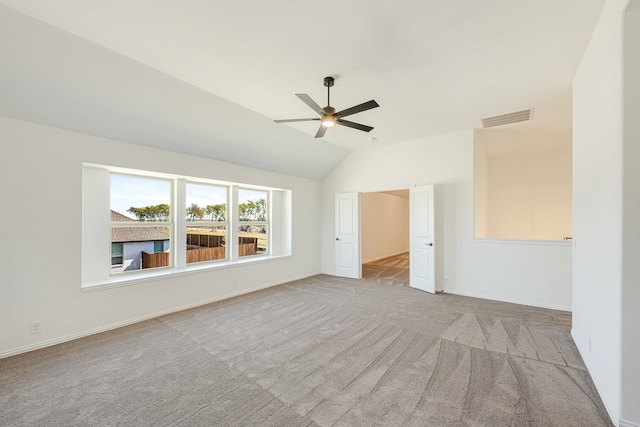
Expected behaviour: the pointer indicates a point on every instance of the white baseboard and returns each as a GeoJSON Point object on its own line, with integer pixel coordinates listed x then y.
{"type": "Point", "coordinates": [511, 300]}
{"type": "Point", "coordinates": [383, 257]}
{"type": "Point", "coordinates": [82, 334]}
{"type": "Point", "coordinates": [624, 423]}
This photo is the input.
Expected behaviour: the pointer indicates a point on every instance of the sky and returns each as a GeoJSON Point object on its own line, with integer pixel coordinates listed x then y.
{"type": "Point", "coordinates": [128, 191]}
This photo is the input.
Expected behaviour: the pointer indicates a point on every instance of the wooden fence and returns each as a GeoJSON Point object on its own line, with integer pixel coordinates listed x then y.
{"type": "Point", "coordinates": [210, 254]}
{"type": "Point", "coordinates": [205, 254]}
{"type": "Point", "coordinates": [204, 240]}
{"type": "Point", "coordinates": [246, 249]}
{"type": "Point", "coordinates": [160, 259]}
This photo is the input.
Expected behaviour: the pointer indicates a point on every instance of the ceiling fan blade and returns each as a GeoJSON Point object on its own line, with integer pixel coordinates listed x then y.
{"type": "Point", "coordinates": [321, 131]}
{"type": "Point", "coordinates": [358, 108]}
{"type": "Point", "coordinates": [353, 125]}
{"type": "Point", "coordinates": [310, 102]}
{"type": "Point", "coordinates": [295, 120]}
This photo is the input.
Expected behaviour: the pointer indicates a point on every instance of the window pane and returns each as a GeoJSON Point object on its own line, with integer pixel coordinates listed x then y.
{"type": "Point", "coordinates": [206, 202]}
{"type": "Point", "coordinates": [206, 243]}
{"type": "Point", "coordinates": [140, 199]}
{"type": "Point", "coordinates": [252, 240]}
{"type": "Point", "coordinates": [252, 205]}
{"type": "Point", "coordinates": [133, 200]}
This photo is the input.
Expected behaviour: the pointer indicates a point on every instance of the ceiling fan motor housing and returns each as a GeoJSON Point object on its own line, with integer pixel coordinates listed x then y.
{"type": "Point", "coordinates": [329, 110]}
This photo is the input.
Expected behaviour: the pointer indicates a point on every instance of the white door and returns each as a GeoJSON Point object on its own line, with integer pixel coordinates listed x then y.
{"type": "Point", "coordinates": [421, 229]}
{"type": "Point", "coordinates": [347, 243]}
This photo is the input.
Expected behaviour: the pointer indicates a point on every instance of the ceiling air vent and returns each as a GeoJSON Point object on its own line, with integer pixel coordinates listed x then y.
{"type": "Point", "coordinates": [505, 119]}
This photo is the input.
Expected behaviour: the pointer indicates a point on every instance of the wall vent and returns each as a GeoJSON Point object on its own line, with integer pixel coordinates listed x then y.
{"type": "Point", "coordinates": [505, 119]}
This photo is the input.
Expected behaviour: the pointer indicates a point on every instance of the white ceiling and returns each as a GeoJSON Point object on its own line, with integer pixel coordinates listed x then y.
{"type": "Point", "coordinates": [208, 77]}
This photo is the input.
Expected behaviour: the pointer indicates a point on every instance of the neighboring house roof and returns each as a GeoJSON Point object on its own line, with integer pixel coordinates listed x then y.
{"type": "Point", "coordinates": [137, 234]}
{"type": "Point", "coordinates": [117, 216]}
{"type": "Point", "coordinates": [134, 234]}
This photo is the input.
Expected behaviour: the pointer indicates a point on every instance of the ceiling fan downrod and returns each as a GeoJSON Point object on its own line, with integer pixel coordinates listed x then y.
{"type": "Point", "coordinates": [329, 82]}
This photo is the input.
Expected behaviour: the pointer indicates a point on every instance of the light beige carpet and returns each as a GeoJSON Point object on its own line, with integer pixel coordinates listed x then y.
{"type": "Point", "coordinates": [393, 270]}
{"type": "Point", "coordinates": [322, 351]}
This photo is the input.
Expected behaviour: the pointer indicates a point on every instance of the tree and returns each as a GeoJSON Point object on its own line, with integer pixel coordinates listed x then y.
{"type": "Point", "coordinates": [216, 212]}
{"type": "Point", "coordinates": [195, 212]}
{"type": "Point", "coordinates": [159, 212]}
{"type": "Point", "coordinates": [261, 209]}
{"type": "Point", "coordinates": [253, 210]}
{"type": "Point", "coordinates": [139, 213]}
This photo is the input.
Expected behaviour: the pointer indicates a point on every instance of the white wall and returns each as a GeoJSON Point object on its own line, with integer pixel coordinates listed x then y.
{"type": "Point", "coordinates": [599, 160]}
{"type": "Point", "coordinates": [41, 182]}
{"type": "Point", "coordinates": [529, 195]}
{"type": "Point", "coordinates": [385, 225]}
{"type": "Point", "coordinates": [631, 220]}
{"type": "Point", "coordinates": [528, 273]}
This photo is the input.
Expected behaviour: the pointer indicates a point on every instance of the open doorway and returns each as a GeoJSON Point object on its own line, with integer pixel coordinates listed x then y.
{"type": "Point", "coordinates": [385, 237]}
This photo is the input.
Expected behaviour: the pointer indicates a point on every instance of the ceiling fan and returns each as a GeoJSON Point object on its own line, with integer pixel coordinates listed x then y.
{"type": "Point", "coordinates": [328, 115]}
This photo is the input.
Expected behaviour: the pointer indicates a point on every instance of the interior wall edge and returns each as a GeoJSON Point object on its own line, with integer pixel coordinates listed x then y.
{"type": "Point", "coordinates": [613, 413]}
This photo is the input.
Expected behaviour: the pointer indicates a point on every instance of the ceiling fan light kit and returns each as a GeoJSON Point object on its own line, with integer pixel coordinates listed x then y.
{"type": "Point", "coordinates": [328, 121]}
{"type": "Point", "coordinates": [328, 115]}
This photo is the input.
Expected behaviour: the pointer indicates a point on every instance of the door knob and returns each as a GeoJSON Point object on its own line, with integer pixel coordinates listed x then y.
{"type": "Point", "coordinates": [429, 244]}
{"type": "Point", "coordinates": [337, 238]}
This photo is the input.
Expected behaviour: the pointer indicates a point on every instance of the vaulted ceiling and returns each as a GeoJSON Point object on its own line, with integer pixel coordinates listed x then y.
{"type": "Point", "coordinates": [208, 77]}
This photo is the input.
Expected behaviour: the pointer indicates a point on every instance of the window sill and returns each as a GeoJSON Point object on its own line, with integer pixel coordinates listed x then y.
{"type": "Point", "coordinates": [135, 278]}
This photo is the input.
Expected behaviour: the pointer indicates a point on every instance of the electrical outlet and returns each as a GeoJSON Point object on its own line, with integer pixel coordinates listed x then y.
{"type": "Point", "coordinates": [35, 327]}
{"type": "Point", "coordinates": [589, 344]}
{"type": "Point", "coordinates": [234, 283]}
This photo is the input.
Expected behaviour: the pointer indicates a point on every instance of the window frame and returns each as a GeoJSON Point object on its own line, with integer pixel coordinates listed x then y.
{"type": "Point", "coordinates": [146, 224]}
{"type": "Point", "coordinates": [224, 223]}
{"type": "Point", "coordinates": [266, 223]}
{"type": "Point", "coordinates": [96, 226]}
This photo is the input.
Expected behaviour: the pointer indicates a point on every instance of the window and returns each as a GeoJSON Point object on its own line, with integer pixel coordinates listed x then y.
{"type": "Point", "coordinates": [116, 254]}
{"type": "Point", "coordinates": [206, 218]}
{"type": "Point", "coordinates": [158, 246]}
{"type": "Point", "coordinates": [253, 229]}
{"type": "Point", "coordinates": [140, 222]}
{"type": "Point", "coordinates": [217, 223]}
